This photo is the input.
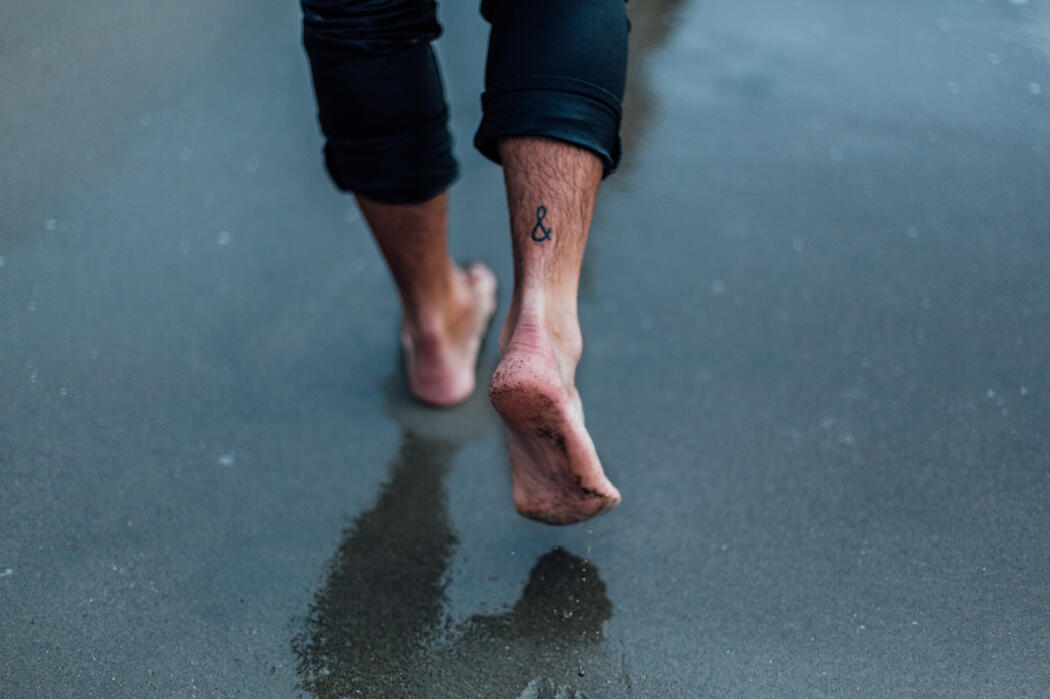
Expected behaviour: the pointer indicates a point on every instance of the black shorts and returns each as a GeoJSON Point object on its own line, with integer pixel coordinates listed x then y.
{"type": "Point", "coordinates": [555, 68]}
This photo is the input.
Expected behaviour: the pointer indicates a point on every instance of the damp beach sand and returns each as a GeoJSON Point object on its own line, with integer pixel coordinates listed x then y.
{"type": "Point", "coordinates": [816, 331]}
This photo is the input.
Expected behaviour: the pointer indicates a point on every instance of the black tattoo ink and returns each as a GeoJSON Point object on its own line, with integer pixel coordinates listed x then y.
{"type": "Point", "coordinates": [539, 231]}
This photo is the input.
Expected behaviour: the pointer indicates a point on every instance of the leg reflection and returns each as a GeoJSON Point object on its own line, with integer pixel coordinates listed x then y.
{"type": "Point", "coordinates": [384, 596]}
{"type": "Point", "coordinates": [551, 638]}
{"type": "Point", "coordinates": [564, 602]}
{"type": "Point", "coordinates": [379, 626]}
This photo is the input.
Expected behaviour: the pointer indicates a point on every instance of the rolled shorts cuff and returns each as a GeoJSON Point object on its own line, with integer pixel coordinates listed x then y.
{"type": "Point", "coordinates": [566, 109]}
{"type": "Point", "coordinates": [407, 168]}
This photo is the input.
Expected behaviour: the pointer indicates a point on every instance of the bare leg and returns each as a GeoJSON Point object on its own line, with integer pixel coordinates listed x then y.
{"type": "Point", "coordinates": [445, 310]}
{"type": "Point", "coordinates": [551, 191]}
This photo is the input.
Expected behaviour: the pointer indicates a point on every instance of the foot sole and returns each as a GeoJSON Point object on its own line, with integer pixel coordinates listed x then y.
{"type": "Point", "coordinates": [557, 476]}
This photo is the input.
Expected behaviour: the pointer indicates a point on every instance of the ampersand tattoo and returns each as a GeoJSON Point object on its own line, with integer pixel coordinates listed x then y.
{"type": "Point", "coordinates": [539, 231]}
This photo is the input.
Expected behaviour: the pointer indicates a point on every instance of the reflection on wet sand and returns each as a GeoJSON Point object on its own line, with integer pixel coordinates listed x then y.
{"type": "Point", "coordinates": [378, 626]}
{"type": "Point", "coordinates": [551, 638]}
{"type": "Point", "coordinates": [385, 591]}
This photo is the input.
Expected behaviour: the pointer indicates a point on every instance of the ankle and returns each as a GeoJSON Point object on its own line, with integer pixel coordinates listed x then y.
{"type": "Point", "coordinates": [440, 311]}
{"type": "Point", "coordinates": [426, 333]}
{"type": "Point", "coordinates": [555, 323]}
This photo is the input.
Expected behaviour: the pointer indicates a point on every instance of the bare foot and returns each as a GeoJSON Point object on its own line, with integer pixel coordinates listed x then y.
{"type": "Point", "coordinates": [555, 470]}
{"type": "Point", "coordinates": [441, 351]}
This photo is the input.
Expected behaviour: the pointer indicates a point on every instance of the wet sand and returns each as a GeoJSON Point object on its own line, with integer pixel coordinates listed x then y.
{"type": "Point", "coordinates": [816, 329]}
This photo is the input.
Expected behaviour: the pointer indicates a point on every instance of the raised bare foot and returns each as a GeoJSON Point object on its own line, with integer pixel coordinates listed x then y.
{"type": "Point", "coordinates": [557, 477]}
{"type": "Point", "coordinates": [441, 350]}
